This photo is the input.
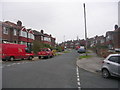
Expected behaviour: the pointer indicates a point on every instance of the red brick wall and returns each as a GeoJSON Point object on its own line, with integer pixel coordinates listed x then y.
{"type": "Point", "coordinates": [117, 38]}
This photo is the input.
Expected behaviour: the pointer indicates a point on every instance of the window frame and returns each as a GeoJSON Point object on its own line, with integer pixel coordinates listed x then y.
{"type": "Point", "coordinates": [5, 30]}
{"type": "Point", "coordinates": [115, 61]}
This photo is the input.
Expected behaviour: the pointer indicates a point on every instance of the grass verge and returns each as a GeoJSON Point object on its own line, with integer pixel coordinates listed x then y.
{"type": "Point", "coordinates": [88, 56]}
{"type": "Point", "coordinates": [66, 51]}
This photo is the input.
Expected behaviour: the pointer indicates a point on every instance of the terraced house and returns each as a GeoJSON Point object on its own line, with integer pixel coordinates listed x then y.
{"type": "Point", "coordinates": [17, 33]}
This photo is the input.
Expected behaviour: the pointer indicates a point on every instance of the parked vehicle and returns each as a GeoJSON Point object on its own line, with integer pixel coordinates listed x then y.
{"type": "Point", "coordinates": [77, 47]}
{"type": "Point", "coordinates": [81, 50]}
{"type": "Point", "coordinates": [16, 51]}
{"type": "Point", "coordinates": [45, 53]}
{"type": "Point", "coordinates": [111, 66]}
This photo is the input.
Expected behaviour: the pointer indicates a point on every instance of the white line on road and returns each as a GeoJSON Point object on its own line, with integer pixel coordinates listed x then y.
{"type": "Point", "coordinates": [17, 63]}
{"type": "Point", "coordinates": [78, 79]}
{"type": "Point", "coordinates": [8, 65]}
{"type": "Point", "coordinates": [13, 64]}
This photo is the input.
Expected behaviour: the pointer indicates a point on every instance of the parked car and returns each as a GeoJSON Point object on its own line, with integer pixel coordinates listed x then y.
{"type": "Point", "coordinates": [77, 47]}
{"type": "Point", "coordinates": [111, 66]}
{"type": "Point", "coordinates": [81, 50]}
{"type": "Point", "coordinates": [15, 51]}
{"type": "Point", "coordinates": [45, 53]}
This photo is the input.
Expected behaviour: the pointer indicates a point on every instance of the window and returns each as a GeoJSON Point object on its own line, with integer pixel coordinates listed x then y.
{"type": "Point", "coordinates": [5, 30]}
{"type": "Point", "coordinates": [27, 50]}
{"type": "Point", "coordinates": [114, 59]}
{"type": "Point", "coordinates": [23, 33]}
{"type": "Point", "coordinates": [46, 39]}
{"type": "Point", "coordinates": [15, 32]}
{"type": "Point", "coordinates": [31, 36]}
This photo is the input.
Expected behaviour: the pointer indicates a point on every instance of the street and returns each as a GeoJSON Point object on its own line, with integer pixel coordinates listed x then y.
{"type": "Point", "coordinates": [57, 72]}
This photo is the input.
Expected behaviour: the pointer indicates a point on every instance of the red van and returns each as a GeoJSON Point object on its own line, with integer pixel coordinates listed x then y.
{"type": "Point", "coordinates": [16, 51]}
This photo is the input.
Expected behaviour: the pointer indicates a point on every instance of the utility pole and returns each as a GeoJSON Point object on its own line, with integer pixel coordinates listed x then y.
{"type": "Point", "coordinates": [64, 40]}
{"type": "Point", "coordinates": [85, 28]}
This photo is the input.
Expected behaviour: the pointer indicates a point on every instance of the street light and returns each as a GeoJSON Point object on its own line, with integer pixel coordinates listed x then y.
{"type": "Point", "coordinates": [85, 27]}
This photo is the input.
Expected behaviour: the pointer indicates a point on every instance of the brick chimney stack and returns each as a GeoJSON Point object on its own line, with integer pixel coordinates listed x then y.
{"type": "Point", "coordinates": [116, 27]}
{"type": "Point", "coordinates": [42, 31]}
{"type": "Point", "coordinates": [19, 23]}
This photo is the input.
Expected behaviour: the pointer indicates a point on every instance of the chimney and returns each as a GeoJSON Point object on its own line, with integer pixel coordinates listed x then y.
{"type": "Point", "coordinates": [42, 31]}
{"type": "Point", "coordinates": [116, 27]}
{"type": "Point", "coordinates": [19, 23]}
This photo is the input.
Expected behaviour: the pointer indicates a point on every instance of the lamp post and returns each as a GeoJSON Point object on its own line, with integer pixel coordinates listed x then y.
{"type": "Point", "coordinates": [85, 27]}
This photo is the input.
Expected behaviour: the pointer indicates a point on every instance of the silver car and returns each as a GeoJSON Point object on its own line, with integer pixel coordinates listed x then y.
{"type": "Point", "coordinates": [111, 66]}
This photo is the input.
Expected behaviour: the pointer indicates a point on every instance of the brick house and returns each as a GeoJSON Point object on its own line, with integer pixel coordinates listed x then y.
{"type": "Point", "coordinates": [100, 40]}
{"type": "Point", "coordinates": [91, 42]}
{"type": "Point", "coordinates": [10, 32]}
{"type": "Point", "coordinates": [96, 41]}
{"type": "Point", "coordinates": [44, 38]}
{"type": "Point", "coordinates": [116, 37]}
{"type": "Point", "coordinates": [110, 39]}
{"type": "Point", "coordinates": [16, 33]}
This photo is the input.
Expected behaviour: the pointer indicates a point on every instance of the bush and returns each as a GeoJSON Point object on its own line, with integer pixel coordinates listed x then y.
{"type": "Point", "coordinates": [59, 49]}
{"type": "Point", "coordinates": [37, 46]}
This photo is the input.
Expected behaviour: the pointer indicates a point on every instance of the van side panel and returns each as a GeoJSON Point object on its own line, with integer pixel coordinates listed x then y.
{"type": "Point", "coordinates": [16, 50]}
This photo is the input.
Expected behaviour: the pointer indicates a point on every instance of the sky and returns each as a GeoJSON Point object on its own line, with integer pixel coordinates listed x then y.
{"type": "Point", "coordinates": [64, 19]}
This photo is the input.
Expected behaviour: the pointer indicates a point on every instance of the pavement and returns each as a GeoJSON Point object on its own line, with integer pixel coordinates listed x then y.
{"type": "Point", "coordinates": [92, 64]}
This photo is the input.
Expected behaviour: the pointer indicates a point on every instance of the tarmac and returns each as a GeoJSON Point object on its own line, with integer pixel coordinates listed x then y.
{"type": "Point", "coordinates": [92, 64]}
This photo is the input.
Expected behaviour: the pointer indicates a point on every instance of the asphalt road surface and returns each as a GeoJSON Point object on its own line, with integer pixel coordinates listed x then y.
{"type": "Point", "coordinates": [58, 72]}
{"type": "Point", "coordinates": [96, 81]}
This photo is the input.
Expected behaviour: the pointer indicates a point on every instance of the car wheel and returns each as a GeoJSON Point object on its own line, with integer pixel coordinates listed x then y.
{"type": "Point", "coordinates": [105, 73]}
{"type": "Point", "coordinates": [39, 57]}
{"type": "Point", "coordinates": [11, 59]}
{"type": "Point", "coordinates": [48, 56]}
{"type": "Point", "coordinates": [30, 58]}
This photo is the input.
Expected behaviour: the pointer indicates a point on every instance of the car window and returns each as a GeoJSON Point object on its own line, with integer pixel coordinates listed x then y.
{"type": "Point", "coordinates": [47, 49]}
{"type": "Point", "coordinates": [114, 59]}
{"type": "Point", "coordinates": [27, 50]}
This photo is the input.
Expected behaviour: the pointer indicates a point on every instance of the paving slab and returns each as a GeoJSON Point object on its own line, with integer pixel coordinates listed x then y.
{"type": "Point", "coordinates": [92, 64]}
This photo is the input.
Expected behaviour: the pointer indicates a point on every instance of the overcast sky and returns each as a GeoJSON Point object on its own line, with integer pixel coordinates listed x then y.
{"type": "Point", "coordinates": [63, 18]}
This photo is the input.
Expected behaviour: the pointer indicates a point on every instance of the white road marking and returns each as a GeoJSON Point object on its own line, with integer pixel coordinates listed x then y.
{"type": "Point", "coordinates": [79, 88]}
{"type": "Point", "coordinates": [78, 79]}
{"type": "Point", "coordinates": [79, 83]}
{"type": "Point", "coordinates": [8, 65]}
{"type": "Point", "coordinates": [13, 64]}
{"type": "Point", "coordinates": [17, 63]}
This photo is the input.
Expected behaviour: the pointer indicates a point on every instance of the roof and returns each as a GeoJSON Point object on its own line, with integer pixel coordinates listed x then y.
{"type": "Point", "coordinates": [10, 24]}
{"type": "Point", "coordinates": [114, 55]}
{"type": "Point", "coordinates": [117, 30]}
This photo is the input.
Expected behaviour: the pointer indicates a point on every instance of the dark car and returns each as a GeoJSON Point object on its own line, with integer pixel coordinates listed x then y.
{"type": "Point", "coordinates": [81, 50]}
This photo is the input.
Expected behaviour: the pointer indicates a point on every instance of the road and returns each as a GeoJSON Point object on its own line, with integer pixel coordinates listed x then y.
{"type": "Point", "coordinates": [93, 80]}
{"type": "Point", "coordinates": [58, 72]}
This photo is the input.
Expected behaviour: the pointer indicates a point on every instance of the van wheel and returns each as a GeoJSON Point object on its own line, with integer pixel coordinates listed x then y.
{"type": "Point", "coordinates": [30, 58]}
{"type": "Point", "coordinates": [39, 57]}
{"type": "Point", "coordinates": [11, 59]}
{"type": "Point", "coordinates": [105, 73]}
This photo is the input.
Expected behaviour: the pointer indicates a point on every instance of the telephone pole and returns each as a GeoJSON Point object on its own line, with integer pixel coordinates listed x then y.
{"type": "Point", "coordinates": [85, 28]}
